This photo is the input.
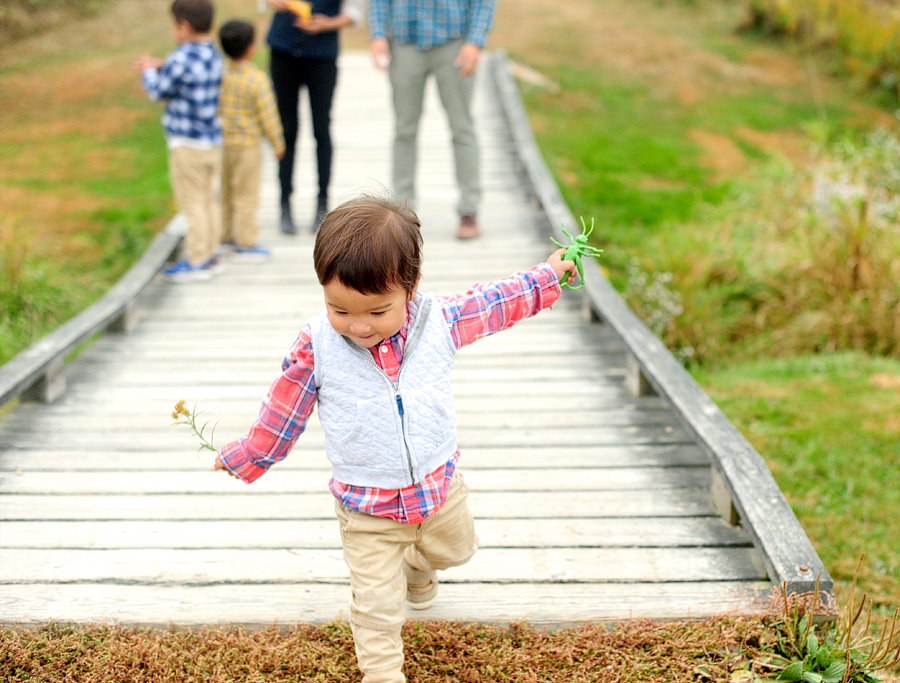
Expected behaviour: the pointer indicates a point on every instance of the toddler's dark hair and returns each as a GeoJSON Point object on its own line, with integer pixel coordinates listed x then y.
{"type": "Point", "coordinates": [370, 244]}
{"type": "Point", "coordinates": [236, 37]}
{"type": "Point", "coordinates": [198, 13]}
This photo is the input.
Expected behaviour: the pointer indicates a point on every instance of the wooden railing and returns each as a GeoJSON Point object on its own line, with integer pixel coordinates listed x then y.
{"type": "Point", "coordinates": [743, 489]}
{"type": "Point", "coordinates": [38, 372]}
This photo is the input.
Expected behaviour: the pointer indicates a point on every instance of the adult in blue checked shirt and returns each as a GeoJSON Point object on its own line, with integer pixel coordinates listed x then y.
{"type": "Point", "coordinates": [415, 39]}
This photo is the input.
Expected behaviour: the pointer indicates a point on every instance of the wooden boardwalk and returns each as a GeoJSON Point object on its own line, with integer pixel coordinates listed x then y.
{"type": "Point", "coordinates": [590, 504]}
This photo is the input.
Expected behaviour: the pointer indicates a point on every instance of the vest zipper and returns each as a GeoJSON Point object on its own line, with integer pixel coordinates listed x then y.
{"type": "Point", "coordinates": [411, 344]}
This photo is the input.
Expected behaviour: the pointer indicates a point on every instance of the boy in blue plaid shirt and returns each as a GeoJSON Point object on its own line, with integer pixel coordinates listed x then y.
{"type": "Point", "coordinates": [188, 80]}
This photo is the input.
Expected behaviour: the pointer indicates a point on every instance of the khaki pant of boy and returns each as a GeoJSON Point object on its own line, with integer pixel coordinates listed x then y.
{"type": "Point", "coordinates": [373, 550]}
{"type": "Point", "coordinates": [241, 173]}
{"type": "Point", "coordinates": [195, 181]}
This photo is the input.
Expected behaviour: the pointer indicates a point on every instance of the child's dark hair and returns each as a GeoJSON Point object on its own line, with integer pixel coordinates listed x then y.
{"type": "Point", "coordinates": [236, 37]}
{"type": "Point", "coordinates": [370, 244]}
{"type": "Point", "coordinates": [198, 13]}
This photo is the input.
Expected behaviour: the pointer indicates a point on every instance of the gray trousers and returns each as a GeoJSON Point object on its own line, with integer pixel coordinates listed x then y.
{"type": "Point", "coordinates": [409, 71]}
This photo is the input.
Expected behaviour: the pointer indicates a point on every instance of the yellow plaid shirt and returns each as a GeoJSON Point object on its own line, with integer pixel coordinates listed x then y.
{"type": "Point", "coordinates": [247, 107]}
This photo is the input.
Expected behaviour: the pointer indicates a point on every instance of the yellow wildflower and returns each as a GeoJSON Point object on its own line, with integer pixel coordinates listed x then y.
{"type": "Point", "coordinates": [183, 416]}
{"type": "Point", "coordinates": [180, 410]}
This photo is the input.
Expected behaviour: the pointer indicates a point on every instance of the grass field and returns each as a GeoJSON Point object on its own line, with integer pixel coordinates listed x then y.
{"type": "Point", "coordinates": [696, 147]}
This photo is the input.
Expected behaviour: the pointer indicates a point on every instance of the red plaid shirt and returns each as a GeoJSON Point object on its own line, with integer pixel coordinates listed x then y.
{"type": "Point", "coordinates": [483, 310]}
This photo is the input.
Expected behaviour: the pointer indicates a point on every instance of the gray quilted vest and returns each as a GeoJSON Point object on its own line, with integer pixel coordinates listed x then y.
{"type": "Point", "coordinates": [381, 433]}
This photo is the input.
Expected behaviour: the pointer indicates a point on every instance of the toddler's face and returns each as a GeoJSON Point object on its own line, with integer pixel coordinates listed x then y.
{"type": "Point", "coordinates": [366, 319]}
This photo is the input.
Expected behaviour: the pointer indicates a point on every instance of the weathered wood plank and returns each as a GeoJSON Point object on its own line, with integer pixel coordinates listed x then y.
{"type": "Point", "coordinates": [154, 481]}
{"type": "Point", "coordinates": [215, 406]}
{"type": "Point", "coordinates": [469, 437]}
{"type": "Point", "coordinates": [553, 419]}
{"type": "Point", "coordinates": [479, 373]}
{"type": "Point", "coordinates": [570, 391]}
{"type": "Point", "coordinates": [530, 457]}
{"type": "Point", "coordinates": [692, 502]}
{"type": "Point", "coordinates": [584, 532]}
{"type": "Point", "coordinates": [292, 565]}
{"type": "Point", "coordinates": [258, 606]}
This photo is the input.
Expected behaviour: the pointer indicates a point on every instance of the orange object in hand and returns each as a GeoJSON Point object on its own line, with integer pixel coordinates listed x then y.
{"type": "Point", "coordinates": [301, 8]}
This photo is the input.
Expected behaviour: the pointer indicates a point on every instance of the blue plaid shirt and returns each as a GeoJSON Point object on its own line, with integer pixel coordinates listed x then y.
{"type": "Point", "coordinates": [189, 82]}
{"type": "Point", "coordinates": [429, 23]}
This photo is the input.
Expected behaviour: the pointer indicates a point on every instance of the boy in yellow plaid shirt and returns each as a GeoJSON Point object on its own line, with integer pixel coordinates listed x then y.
{"type": "Point", "coordinates": [248, 112]}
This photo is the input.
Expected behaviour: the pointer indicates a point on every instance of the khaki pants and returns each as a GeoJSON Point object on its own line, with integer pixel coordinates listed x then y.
{"type": "Point", "coordinates": [241, 173]}
{"type": "Point", "coordinates": [373, 550]}
{"type": "Point", "coordinates": [195, 181]}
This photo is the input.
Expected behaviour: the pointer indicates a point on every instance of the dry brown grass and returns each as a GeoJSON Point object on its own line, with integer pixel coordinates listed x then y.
{"type": "Point", "coordinates": [646, 652]}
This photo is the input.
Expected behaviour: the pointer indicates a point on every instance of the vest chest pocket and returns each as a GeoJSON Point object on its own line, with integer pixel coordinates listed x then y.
{"type": "Point", "coordinates": [434, 420]}
{"type": "Point", "coordinates": [364, 433]}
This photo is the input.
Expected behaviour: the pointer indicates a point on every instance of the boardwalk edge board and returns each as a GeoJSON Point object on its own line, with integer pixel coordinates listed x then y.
{"type": "Point", "coordinates": [38, 372]}
{"type": "Point", "coordinates": [741, 472]}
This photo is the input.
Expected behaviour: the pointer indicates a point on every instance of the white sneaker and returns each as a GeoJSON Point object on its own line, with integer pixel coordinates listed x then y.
{"type": "Point", "coordinates": [254, 254]}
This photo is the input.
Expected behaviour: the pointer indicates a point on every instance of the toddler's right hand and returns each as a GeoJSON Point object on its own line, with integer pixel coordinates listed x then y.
{"type": "Point", "coordinates": [219, 465]}
{"type": "Point", "coordinates": [565, 270]}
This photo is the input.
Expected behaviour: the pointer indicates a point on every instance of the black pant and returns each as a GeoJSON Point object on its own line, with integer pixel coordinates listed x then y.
{"type": "Point", "coordinates": [289, 75]}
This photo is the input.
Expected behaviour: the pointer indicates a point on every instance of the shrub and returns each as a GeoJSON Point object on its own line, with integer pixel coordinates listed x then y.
{"type": "Point", "coordinates": [796, 261]}
{"type": "Point", "coordinates": [22, 18]}
{"type": "Point", "coordinates": [866, 33]}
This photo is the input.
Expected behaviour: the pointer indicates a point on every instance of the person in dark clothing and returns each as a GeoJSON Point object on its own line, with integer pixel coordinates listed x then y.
{"type": "Point", "coordinates": [304, 54]}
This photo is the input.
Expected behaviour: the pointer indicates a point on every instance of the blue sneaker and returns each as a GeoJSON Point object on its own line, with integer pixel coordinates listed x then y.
{"type": "Point", "coordinates": [214, 265]}
{"type": "Point", "coordinates": [254, 254]}
{"type": "Point", "coordinates": [228, 246]}
{"type": "Point", "coordinates": [183, 271]}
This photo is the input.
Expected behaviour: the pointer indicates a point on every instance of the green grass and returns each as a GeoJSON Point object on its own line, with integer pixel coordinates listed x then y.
{"type": "Point", "coordinates": [828, 425]}
{"type": "Point", "coordinates": [624, 154]}
{"type": "Point", "coordinates": [132, 201]}
{"type": "Point", "coordinates": [610, 141]}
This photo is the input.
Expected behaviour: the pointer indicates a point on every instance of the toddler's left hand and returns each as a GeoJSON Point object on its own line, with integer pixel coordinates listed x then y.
{"type": "Point", "coordinates": [564, 269]}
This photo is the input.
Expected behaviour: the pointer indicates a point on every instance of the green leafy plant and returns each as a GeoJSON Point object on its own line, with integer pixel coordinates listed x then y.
{"type": "Point", "coordinates": [183, 416]}
{"type": "Point", "coordinates": [842, 650]}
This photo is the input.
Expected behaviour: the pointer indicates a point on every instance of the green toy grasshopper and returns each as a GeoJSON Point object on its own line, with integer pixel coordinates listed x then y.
{"type": "Point", "coordinates": [577, 249]}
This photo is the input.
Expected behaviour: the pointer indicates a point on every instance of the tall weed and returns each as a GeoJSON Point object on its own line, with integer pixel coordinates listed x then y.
{"type": "Point", "coordinates": [847, 238]}
{"type": "Point", "coordinates": [796, 261]}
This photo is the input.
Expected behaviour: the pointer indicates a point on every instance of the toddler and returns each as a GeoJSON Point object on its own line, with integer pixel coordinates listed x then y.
{"type": "Point", "coordinates": [378, 362]}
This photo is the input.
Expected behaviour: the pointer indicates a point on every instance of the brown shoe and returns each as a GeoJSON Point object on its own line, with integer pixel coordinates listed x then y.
{"type": "Point", "coordinates": [468, 228]}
